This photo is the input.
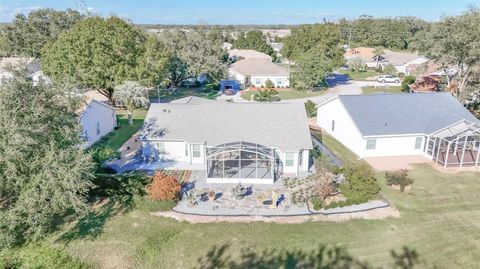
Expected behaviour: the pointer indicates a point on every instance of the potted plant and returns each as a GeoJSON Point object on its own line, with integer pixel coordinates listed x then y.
{"type": "Point", "coordinates": [211, 196]}
{"type": "Point", "coordinates": [239, 191]}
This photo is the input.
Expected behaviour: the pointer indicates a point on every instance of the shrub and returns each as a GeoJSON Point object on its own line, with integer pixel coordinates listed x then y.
{"type": "Point", "coordinates": [407, 81]}
{"type": "Point", "coordinates": [399, 178]}
{"type": "Point", "coordinates": [390, 70]}
{"type": "Point", "coordinates": [315, 153]}
{"type": "Point", "coordinates": [164, 187]}
{"type": "Point", "coordinates": [311, 108]}
{"type": "Point", "coordinates": [101, 154]}
{"type": "Point", "coordinates": [360, 185]}
{"type": "Point", "coordinates": [117, 186]}
{"type": "Point", "coordinates": [269, 84]}
{"type": "Point", "coordinates": [317, 202]}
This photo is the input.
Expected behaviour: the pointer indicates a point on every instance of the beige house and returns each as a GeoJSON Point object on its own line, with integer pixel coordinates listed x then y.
{"type": "Point", "coordinates": [255, 72]}
{"type": "Point", "coordinates": [237, 54]}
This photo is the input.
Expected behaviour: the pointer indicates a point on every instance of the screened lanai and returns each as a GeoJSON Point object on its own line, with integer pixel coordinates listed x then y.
{"type": "Point", "coordinates": [241, 160]}
{"type": "Point", "coordinates": [456, 145]}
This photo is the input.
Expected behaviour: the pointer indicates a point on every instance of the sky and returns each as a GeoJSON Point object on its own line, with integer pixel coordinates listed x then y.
{"type": "Point", "coordinates": [245, 11]}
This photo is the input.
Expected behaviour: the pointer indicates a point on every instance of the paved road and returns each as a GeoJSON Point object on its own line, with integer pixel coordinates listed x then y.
{"type": "Point", "coordinates": [339, 85]}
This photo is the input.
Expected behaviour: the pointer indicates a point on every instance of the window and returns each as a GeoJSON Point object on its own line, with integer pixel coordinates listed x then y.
{"type": "Point", "coordinates": [186, 149]}
{"type": "Point", "coordinates": [161, 147]}
{"type": "Point", "coordinates": [258, 81]}
{"type": "Point", "coordinates": [196, 151]}
{"type": "Point", "coordinates": [371, 143]}
{"type": "Point", "coordinates": [98, 128]}
{"type": "Point", "coordinates": [418, 142]}
{"type": "Point", "coordinates": [333, 125]}
{"type": "Point", "coordinates": [289, 159]}
{"type": "Point", "coordinates": [279, 81]}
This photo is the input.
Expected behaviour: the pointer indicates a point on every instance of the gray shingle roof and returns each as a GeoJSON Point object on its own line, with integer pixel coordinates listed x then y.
{"type": "Point", "coordinates": [192, 100]}
{"type": "Point", "coordinates": [282, 126]}
{"type": "Point", "coordinates": [397, 114]}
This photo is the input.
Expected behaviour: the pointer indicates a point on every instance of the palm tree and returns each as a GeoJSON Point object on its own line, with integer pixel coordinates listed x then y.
{"type": "Point", "coordinates": [378, 54]}
{"type": "Point", "coordinates": [131, 95]}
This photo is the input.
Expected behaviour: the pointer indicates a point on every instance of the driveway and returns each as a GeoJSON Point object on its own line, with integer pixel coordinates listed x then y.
{"type": "Point", "coordinates": [340, 85]}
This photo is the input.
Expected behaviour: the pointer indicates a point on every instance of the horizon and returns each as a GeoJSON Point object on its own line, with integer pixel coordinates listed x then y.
{"type": "Point", "coordinates": [249, 12]}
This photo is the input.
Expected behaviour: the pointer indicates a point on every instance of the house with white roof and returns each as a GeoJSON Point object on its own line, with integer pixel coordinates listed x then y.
{"type": "Point", "coordinates": [97, 117]}
{"type": "Point", "coordinates": [239, 54]}
{"type": "Point", "coordinates": [434, 125]}
{"type": "Point", "coordinates": [253, 143]}
{"type": "Point", "coordinates": [255, 72]}
{"type": "Point", "coordinates": [32, 65]}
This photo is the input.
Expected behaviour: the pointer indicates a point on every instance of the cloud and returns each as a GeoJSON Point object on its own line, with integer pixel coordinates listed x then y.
{"type": "Point", "coordinates": [8, 12]}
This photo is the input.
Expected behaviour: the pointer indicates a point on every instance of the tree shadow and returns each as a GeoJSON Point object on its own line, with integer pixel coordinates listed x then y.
{"type": "Point", "coordinates": [326, 257]}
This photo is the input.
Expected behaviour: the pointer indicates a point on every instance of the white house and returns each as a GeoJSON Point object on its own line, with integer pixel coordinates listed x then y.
{"type": "Point", "coordinates": [404, 62]}
{"type": "Point", "coordinates": [97, 117]}
{"type": "Point", "coordinates": [32, 65]}
{"type": "Point", "coordinates": [255, 72]}
{"type": "Point", "coordinates": [232, 142]}
{"type": "Point", "coordinates": [434, 125]}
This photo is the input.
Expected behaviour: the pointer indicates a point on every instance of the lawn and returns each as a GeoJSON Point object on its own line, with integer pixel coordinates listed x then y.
{"type": "Point", "coordinates": [440, 219]}
{"type": "Point", "coordinates": [286, 94]}
{"type": "Point", "coordinates": [179, 93]}
{"type": "Point", "coordinates": [118, 137]}
{"type": "Point", "coordinates": [337, 148]}
{"type": "Point", "coordinates": [359, 75]}
{"type": "Point", "coordinates": [381, 89]}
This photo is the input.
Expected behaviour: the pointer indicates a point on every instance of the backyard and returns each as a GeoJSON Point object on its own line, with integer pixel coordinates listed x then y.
{"type": "Point", "coordinates": [437, 203]}
{"type": "Point", "coordinates": [286, 94]}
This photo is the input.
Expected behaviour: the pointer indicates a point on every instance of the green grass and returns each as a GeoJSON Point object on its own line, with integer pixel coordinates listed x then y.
{"type": "Point", "coordinates": [117, 138]}
{"type": "Point", "coordinates": [179, 93]}
{"type": "Point", "coordinates": [381, 89]}
{"type": "Point", "coordinates": [286, 94]}
{"type": "Point", "coordinates": [360, 75]}
{"type": "Point", "coordinates": [337, 148]}
{"type": "Point", "coordinates": [439, 219]}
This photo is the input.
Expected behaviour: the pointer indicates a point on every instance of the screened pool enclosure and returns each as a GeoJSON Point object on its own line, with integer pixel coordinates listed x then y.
{"type": "Point", "coordinates": [242, 160]}
{"type": "Point", "coordinates": [456, 145]}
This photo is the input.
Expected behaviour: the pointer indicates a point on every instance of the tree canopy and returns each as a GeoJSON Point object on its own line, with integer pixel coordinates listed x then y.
{"type": "Point", "coordinates": [454, 42]}
{"type": "Point", "coordinates": [193, 54]}
{"type": "Point", "coordinates": [316, 52]}
{"type": "Point", "coordinates": [27, 35]}
{"type": "Point", "coordinates": [101, 53]}
{"type": "Point", "coordinates": [44, 169]}
{"type": "Point", "coordinates": [254, 40]}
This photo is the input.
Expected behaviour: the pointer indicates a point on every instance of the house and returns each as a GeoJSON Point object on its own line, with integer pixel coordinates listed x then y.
{"type": "Point", "coordinates": [32, 65]}
{"type": "Point", "coordinates": [434, 125]}
{"type": "Point", "coordinates": [232, 142]}
{"type": "Point", "coordinates": [255, 72]}
{"type": "Point", "coordinates": [237, 54]}
{"type": "Point", "coordinates": [426, 84]}
{"type": "Point", "coordinates": [404, 62]}
{"type": "Point", "coordinates": [363, 53]}
{"type": "Point", "coordinates": [97, 117]}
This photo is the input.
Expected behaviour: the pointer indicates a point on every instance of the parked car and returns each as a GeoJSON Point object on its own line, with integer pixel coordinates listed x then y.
{"type": "Point", "coordinates": [388, 79]}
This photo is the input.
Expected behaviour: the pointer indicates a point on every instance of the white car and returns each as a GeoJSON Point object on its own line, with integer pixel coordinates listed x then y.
{"type": "Point", "coordinates": [388, 79]}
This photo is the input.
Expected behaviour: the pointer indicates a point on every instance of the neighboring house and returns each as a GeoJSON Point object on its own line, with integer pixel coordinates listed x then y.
{"type": "Point", "coordinates": [434, 125]}
{"type": "Point", "coordinates": [227, 46]}
{"type": "Point", "coordinates": [237, 54]}
{"type": "Point", "coordinates": [426, 84]}
{"type": "Point", "coordinates": [255, 72]}
{"type": "Point", "coordinates": [364, 53]}
{"type": "Point", "coordinates": [97, 117]}
{"type": "Point", "coordinates": [404, 62]}
{"type": "Point", "coordinates": [232, 142]}
{"type": "Point", "coordinates": [32, 65]}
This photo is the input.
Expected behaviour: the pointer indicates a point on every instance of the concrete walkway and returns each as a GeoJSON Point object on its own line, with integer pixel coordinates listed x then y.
{"type": "Point", "coordinates": [374, 214]}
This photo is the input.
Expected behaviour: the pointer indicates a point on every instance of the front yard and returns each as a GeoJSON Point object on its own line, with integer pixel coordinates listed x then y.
{"type": "Point", "coordinates": [381, 89]}
{"type": "Point", "coordinates": [286, 94]}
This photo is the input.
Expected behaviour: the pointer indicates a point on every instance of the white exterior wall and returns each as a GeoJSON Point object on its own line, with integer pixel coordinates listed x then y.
{"type": "Point", "coordinates": [259, 81]}
{"type": "Point", "coordinates": [233, 75]}
{"type": "Point", "coordinates": [95, 114]}
{"type": "Point", "coordinates": [394, 146]}
{"type": "Point", "coordinates": [346, 132]}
